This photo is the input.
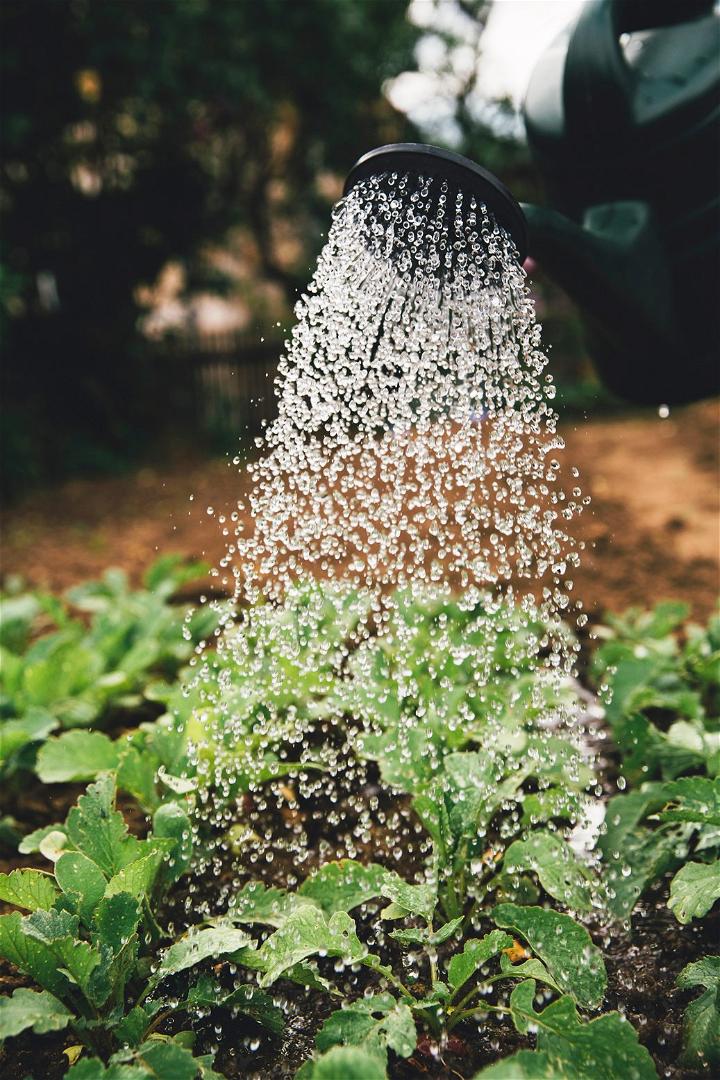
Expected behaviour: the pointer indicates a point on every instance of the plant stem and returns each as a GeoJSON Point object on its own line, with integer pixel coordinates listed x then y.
{"type": "Point", "coordinates": [481, 1009]}
{"type": "Point", "coordinates": [431, 1021]}
{"type": "Point", "coordinates": [157, 1020]}
{"type": "Point", "coordinates": [391, 977]}
{"type": "Point", "coordinates": [449, 901]}
{"type": "Point", "coordinates": [457, 1009]}
{"type": "Point", "coordinates": [432, 956]}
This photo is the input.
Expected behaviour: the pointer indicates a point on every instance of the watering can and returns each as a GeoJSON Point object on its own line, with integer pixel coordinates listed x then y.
{"type": "Point", "coordinates": [623, 119]}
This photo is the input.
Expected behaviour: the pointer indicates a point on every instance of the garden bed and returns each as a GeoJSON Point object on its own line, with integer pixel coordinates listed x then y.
{"type": "Point", "coordinates": [641, 921]}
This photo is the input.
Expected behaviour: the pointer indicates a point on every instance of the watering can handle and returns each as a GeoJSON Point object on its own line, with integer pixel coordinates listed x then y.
{"type": "Point", "coordinates": [598, 83]}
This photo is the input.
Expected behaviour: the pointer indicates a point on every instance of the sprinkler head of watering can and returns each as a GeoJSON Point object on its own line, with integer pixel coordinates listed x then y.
{"type": "Point", "coordinates": [460, 174]}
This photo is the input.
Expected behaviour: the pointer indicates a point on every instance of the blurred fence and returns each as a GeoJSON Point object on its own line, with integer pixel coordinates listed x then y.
{"type": "Point", "coordinates": [226, 381]}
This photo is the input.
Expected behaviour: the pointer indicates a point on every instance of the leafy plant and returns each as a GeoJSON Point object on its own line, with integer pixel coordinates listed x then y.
{"type": "Point", "coordinates": [701, 1027]}
{"type": "Point", "coordinates": [655, 675]}
{"type": "Point", "coordinates": [556, 951]}
{"type": "Point", "coordinates": [494, 779]}
{"type": "Point", "coordinates": [91, 930]}
{"type": "Point", "coordinates": [656, 829]}
{"type": "Point", "coordinates": [229, 717]}
{"type": "Point", "coordinates": [71, 677]}
{"type": "Point", "coordinates": [664, 706]}
{"type": "Point", "coordinates": [606, 1047]}
{"type": "Point", "coordinates": [469, 670]}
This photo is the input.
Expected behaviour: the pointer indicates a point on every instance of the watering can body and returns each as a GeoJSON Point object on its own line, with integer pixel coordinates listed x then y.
{"type": "Point", "coordinates": [623, 120]}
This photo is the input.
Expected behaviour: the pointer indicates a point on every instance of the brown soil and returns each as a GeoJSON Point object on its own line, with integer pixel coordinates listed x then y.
{"type": "Point", "coordinates": [652, 531]}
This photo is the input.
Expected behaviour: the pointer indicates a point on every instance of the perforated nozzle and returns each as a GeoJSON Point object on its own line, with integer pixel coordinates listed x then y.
{"type": "Point", "coordinates": [460, 173]}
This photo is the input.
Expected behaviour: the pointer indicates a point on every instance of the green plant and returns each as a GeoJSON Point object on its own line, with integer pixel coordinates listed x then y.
{"type": "Point", "coordinates": [442, 993]}
{"type": "Point", "coordinates": [701, 1027]}
{"type": "Point", "coordinates": [70, 678]}
{"type": "Point", "coordinates": [654, 675]}
{"type": "Point", "coordinates": [496, 782]}
{"type": "Point", "coordinates": [665, 716]}
{"type": "Point", "coordinates": [664, 706]}
{"type": "Point", "coordinates": [655, 830]}
{"type": "Point", "coordinates": [91, 936]}
{"type": "Point", "coordinates": [228, 718]}
{"type": "Point", "coordinates": [466, 670]}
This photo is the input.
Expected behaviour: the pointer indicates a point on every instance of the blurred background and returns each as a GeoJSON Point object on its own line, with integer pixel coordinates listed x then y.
{"type": "Point", "coordinates": [168, 172]}
{"type": "Point", "coordinates": [169, 169]}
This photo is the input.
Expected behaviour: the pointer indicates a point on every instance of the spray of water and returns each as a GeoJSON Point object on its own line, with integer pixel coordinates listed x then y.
{"type": "Point", "coordinates": [413, 468]}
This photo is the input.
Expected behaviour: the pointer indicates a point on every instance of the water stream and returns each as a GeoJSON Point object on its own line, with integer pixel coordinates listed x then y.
{"type": "Point", "coordinates": [414, 463]}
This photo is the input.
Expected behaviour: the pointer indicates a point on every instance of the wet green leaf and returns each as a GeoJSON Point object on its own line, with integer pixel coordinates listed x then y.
{"type": "Point", "coordinates": [59, 931]}
{"type": "Point", "coordinates": [605, 1048]}
{"type": "Point", "coordinates": [247, 1000]}
{"type": "Point", "coordinates": [31, 955]}
{"type": "Point", "coordinates": [694, 890]}
{"type": "Point", "coordinates": [634, 855]}
{"type": "Point", "coordinates": [40, 1011]}
{"type": "Point", "coordinates": [307, 932]}
{"type": "Point", "coordinates": [557, 867]}
{"type": "Point", "coordinates": [701, 1023]}
{"type": "Point", "coordinates": [132, 1027]}
{"type": "Point", "coordinates": [528, 969]}
{"type": "Point", "coordinates": [563, 945]}
{"type": "Point", "coordinates": [137, 774]}
{"type": "Point", "coordinates": [433, 814]}
{"type": "Point", "coordinates": [136, 879]}
{"type": "Point", "coordinates": [693, 799]}
{"type": "Point", "coordinates": [526, 1065]}
{"type": "Point", "coordinates": [94, 1069]}
{"type": "Point", "coordinates": [413, 899]}
{"type": "Point", "coordinates": [96, 828]}
{"type": "Point", "coordinates": [82, 880]}
{"type": "Point", "coordinates": [374, 1023]}
{"type": "Point", "coordinates": [167, 1060]}
{"type": "Point", "coordinates": [75, 756]}
{"type": "Point", "coordinates": [256, 903]}
{"type": "Point", "coordinates": [343, 885]}
{"type": "Point", "coordinates": [199, 945]}
{"type": "Point", "coordinates": [116, 920]}
{"type": "Point", "coordinates": [477, 951]}
{"type": "Point", "coordinates": [551, 802]}
{"type": "Point", "coordinates": [346, 1062]}
{"type": "Point", "coordinates": [28, 889]}
{"type": "Point", "coordinates": [54, 843]}
{"type": "Point", "coordinates": [170, 822]}
{"type": "Point", "coordinates": [157, 1059]}
{"type": "Point", "coordinates": [427, 937]}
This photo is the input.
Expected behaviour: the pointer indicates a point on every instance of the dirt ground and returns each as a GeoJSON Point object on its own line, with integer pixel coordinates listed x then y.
{"type": "Point", "coordinates": [652, 531]}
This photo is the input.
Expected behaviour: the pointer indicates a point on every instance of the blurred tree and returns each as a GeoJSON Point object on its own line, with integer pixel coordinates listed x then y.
{"type": "Point", "coordinates": [134, 131]}
{"type": "Point", "coordinates": [448, 102]}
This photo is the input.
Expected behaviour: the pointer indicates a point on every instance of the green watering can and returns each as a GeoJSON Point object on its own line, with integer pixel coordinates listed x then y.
{"type": "Point", "coordinates": [623, 120]}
